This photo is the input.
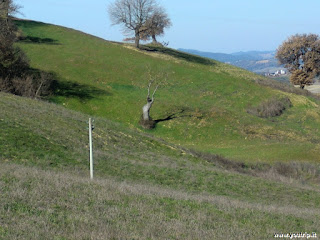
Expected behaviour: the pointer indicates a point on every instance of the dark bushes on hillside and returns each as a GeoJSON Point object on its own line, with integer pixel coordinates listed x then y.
{"type": "Point", "coordinates": [271, 108]}
{"type": "Point", "coordinates": [32, 85]}
{"type": "Point", "coordinates": [16, 76]}
{"type": "Point", "coordinates": [297, 170]}
{"type": "Point", "coordinates": [301, 171]}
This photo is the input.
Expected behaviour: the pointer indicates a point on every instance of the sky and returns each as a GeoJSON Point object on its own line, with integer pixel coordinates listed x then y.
{"type": "Point", "coordinates": [224, 26]}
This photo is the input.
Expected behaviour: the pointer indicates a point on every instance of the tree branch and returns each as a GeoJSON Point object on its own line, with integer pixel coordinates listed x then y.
{"type": "Point", "coordinates": [154, 92]}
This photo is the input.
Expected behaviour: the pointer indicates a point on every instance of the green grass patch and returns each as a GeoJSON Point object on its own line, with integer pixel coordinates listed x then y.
{"type": "Point", "coordinates": [110, 80]}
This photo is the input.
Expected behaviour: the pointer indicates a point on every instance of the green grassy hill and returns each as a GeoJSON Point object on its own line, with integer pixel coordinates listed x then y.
{"type": "Point", "coordinates": [208, 99]}
{"type": "Point", "coordinates": [158, 184]}
{"type": "Point", "coordinates": [144, 187]}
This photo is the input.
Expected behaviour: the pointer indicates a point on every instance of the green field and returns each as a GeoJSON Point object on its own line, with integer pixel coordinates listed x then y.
{"type": "Point", "coordinates": [214, 171]}
{"type": "Point", "coordinates": [144, 187]}
{"type": "Point", "coordinates": [208, 98]}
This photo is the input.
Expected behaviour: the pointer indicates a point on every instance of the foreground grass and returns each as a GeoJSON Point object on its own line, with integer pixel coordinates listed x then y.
{"type": "Point", "coordinates": [145, 188]}
{"type": "Point", "coordinates": [208, 99]}
{"type": "Point", "coordinates": [40, 204]}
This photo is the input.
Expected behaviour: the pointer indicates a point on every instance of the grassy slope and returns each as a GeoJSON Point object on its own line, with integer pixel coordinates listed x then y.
{"type": "Point", "coordinates": [108, 80]}
{"type": "Point", "coordinates": [145, 188]}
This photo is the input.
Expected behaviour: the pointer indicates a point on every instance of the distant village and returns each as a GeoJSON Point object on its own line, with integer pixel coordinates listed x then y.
{"type": "Point", "coordinates": [278, 73]}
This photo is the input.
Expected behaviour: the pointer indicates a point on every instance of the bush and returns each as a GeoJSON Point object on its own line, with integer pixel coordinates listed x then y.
{"type": "Point", "coordinates": [16, 75]}
{"type": "Point", "coordinates": [31, 85]}
{"type": "Point", "coordinates": [303, 171]}
{"type": "Point", "coordinates": [271, 108]}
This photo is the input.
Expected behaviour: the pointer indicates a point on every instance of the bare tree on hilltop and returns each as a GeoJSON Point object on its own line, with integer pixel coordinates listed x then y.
{"type": "Point", "coordinates": [156, 24]}
{"type": "Point", "coordinates": [144, 17]}
{"type": "Point", "coordinates": [300, 54]}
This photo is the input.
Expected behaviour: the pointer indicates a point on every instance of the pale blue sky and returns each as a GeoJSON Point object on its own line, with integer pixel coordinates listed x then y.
{"type": "Point", "coordinates": [206, 25]}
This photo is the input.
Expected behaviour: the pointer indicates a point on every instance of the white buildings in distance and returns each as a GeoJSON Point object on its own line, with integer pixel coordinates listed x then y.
{"type": "Point", "coordinates": [277, 73]}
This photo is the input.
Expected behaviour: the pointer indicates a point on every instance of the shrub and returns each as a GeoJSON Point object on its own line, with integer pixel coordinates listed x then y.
{"type": "Point", "coordinates": [271, 108]}
{"type": "Point", "coordinates": [303, 171]}
{"type": "Point", "coordinates": [16, 76]}
{"type": "Point", "coordinates": [32, 85]}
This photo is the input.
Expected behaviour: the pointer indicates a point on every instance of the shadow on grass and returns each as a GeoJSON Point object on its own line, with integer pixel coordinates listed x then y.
{"type": "Point", "coordinates": [171, 116]}
{"type": "Point", "coordinates": [38, 40]}
{"type": "Point", "coordinates": [25, 24]}
{"type": "Point", "coordinates": [178, 54]}
{"type": "Point", "coordinates": [181, 113]}
{"type": "Point", "coordinates": [76, 90]}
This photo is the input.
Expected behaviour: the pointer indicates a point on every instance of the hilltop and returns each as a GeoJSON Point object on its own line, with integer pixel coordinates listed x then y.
{"type": "Point", "coordinates": [208, 99]}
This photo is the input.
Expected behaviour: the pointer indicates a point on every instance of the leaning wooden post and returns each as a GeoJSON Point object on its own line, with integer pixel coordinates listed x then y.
{"type": "Point", "coordinates": [90, 147]}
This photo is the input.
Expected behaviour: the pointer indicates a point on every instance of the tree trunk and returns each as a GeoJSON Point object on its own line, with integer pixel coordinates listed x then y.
{"type": "Point", "coordinates": [146, 121]}
{"type": "Point", "coordinates": [4, 9]}
{"type": "Point", "coordinates": [154, 40]}
{"type": "Point", "coordinates": [146, 111]}
{"type": "Point", "coordinates": [137, 39]}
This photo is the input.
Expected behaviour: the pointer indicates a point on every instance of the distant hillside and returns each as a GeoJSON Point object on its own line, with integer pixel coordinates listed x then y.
{"type": "Point", "coordinates": [203, 105]}
{"type": "Point", "coordinates": [255, 61]}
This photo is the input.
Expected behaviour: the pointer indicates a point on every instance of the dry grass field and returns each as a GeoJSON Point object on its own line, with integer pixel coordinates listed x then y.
{"type": "Point", "coordinates": [42, 204]}
{"type": "Point", "coordinates": [144, 187]}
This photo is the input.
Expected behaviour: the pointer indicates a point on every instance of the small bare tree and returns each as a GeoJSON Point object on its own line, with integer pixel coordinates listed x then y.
{"type": "Point", "coordinates": [146, 108]}
{"type": "Point", "coordinates": [155, 81]}
{"type": "Point", "coordinates": [132, 15]}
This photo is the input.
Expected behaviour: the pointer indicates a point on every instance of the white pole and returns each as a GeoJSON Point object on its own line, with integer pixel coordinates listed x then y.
{"type": "Point", "coordinates": [90, 145]}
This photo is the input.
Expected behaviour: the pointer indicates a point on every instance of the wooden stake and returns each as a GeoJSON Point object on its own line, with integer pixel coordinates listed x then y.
{"type": "Point", "coordinates": [90, 146]}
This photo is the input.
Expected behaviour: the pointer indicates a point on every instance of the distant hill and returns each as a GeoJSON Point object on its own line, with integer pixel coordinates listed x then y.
{"type": "Point", "coordinates": [203, 106]}
{"type": "Point", "coordinates": [254, 61]}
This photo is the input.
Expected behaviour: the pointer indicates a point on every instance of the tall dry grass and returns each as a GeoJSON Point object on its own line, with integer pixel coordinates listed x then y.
{"type": "Point", "coordinates": [39, 204]}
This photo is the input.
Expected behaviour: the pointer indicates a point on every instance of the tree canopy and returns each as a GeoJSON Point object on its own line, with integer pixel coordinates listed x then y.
{"type": "Point", "coordinates": [300, 54]}
{"type": "Point", "coordinates": [144, 17]}
{"type": "Point", "coordinates": [156, 24]}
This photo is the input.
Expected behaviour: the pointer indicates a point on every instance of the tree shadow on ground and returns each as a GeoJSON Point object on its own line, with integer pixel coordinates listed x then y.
{"type": "Point", "coordinates": [181, 113]}
{"type": "Point", "coordinates": [37, 40]}
{"type": "Point", "coordinates": [177, 54]}
{"type": "Point", "coordinates": [25, 24]}
{"type": "Point", "coordinates": [76, 90]}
